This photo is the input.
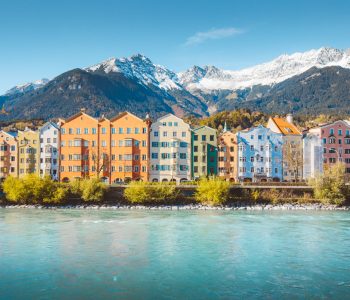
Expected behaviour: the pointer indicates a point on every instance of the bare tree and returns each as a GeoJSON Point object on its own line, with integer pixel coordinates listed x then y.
{"type": "Point", "coordinates": [293, 158]}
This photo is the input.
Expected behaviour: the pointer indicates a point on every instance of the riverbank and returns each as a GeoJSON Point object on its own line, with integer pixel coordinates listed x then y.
{"type": "Point", "coordinates": [256, 207]}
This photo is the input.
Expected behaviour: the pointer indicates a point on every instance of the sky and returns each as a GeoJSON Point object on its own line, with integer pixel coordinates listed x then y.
{"type": "Point", "coordinates": [44, 38]}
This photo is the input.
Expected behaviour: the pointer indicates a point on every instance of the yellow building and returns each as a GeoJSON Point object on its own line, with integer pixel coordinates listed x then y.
{"type": "Point", "coordinates": [28, 152]}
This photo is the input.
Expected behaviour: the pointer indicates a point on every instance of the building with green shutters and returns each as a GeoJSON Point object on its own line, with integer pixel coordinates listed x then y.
{"type": "Point", "coordinates": [204, 152]}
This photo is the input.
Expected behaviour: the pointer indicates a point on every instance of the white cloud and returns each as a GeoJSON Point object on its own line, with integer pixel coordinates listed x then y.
{"type": "Point", "coordinates": [213, 34]}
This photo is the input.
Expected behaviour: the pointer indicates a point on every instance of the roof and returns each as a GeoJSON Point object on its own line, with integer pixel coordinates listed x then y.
{"type": "Point", "coordinates": [124, 114]}
{"type": "Point", "coordinates": [81, 113]}
{"type": "Point", "coordinates": [285, 127]}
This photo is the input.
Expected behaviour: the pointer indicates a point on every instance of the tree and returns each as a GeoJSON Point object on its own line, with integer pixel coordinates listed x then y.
{"type": "Point", "coordinates": [293, 158]}
{"type": "Point", "coordinates": [330, 187]}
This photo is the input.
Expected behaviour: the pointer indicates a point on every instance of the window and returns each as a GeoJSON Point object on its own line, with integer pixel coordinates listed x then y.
{"type": "Point", "coordinates": [155, 133]}
{"type": "Point", "coordinates": [63, 130]}
{"type": "Point", "coordinates": [155, 144]}
{"type": "Point", "coordinates": [183, 134]}
{"type": "Point", "coordinates": [204, 138]}
{"type": "Point", "coordinates": [128, 143]}
{"type": "Point", "coordinates": [195, 137]}
{"type": "Point", "coordinates": [259, 137]}
{"type": "Point", "coordinates": [331, 131]}
{"type": "Point", "coordinates": [78, 130]}
{"type": "Point", "coordinates": [144, 156]}
{"type": "Point", "coordinates": [120, 130]}
{"type": "Point", "coordinates": [144, 130]}
{"type": "Point", "coordinates": [170, 123]}
{"type": "Point", "coordinates": [252, 158]}
{"type": "Point", "coordinates": [128, 130]}
{"type": "Point", "coordinates": [103, 130]}
{"type": "Point", "coordinates": [13, 148]}
{"type": "Point", "coordinates": [195, 149]}
{"type": "Point", "coordinates": [174, 134]}
{"type": "Point", "coordinates": [165, 133]}
{"type": "Point", "coordinates": [251, 148]}
{"type": "Point", "coordinates": [70, 130]}
{"type": "Point", "coordinates": [137, 130]}
{"type": "Point", "coordinates": [252, 137]}
{"type": "Point", "coordinates": [183, 144]}
{"type": "Point", "coordinates": [93, 130]}
{"type": "Point", "coordinates": [339, 132]}
{"type": "Point", "coordinates": [183, 155]}
{"type": "Point", "coordinates": [324, 141]}
{"type": "Point", "coordinates": [175, 124]}
{"type": "Point", "coordinates": [104, 144]}
{"type": "Point", "coordinates": [113, 130]}
{"type": "Point", "coordinates": [211, 138]}
{"type": "Point", "coordinates": [144, 144]}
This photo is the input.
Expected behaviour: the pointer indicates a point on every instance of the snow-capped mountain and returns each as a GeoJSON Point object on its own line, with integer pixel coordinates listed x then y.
{"type": "Point", "coordinates": [27, 87]}
{"type": "Point", "coordinates": [316, 81]}
{"type": "Point", "coordinates": [283, 67]}
{"type": "Point", "coordinates": [140, 68]}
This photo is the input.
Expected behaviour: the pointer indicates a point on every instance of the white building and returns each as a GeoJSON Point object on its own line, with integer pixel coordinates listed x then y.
{"type": "Point", "coordinates": [49, 150]}
{"type": "Point", "coordinates": [312, 155]}
{"type": "Point", "coordinates": [170, 150]}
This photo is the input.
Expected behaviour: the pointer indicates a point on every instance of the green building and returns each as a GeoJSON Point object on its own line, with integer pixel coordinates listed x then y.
{"type": "Point", "coordinates": [204, 152]}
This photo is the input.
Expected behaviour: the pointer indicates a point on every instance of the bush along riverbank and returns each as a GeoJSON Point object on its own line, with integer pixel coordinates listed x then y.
{"type": "Point", "coordinates": [209, 193]}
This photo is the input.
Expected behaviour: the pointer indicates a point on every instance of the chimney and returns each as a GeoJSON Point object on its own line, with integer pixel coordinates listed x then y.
{"type": "Point", "coordinates": [83, 109]}
{"type": "Point", "coordinates": [289, 118]}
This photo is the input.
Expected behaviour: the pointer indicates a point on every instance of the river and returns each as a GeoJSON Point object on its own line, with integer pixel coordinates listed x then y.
{"type": "Point", "coordinates": [111, 254]}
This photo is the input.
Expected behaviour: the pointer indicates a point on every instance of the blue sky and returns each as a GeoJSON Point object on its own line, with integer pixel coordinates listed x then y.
{"type": "Point", "coordinates": [45, 38]}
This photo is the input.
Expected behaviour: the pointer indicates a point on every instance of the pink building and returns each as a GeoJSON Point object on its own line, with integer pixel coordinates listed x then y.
{"type": "Point", "coordinates": [335, 139]}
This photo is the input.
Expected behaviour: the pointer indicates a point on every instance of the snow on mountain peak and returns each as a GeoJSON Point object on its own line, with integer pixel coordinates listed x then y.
{"type": "Point", "coordinates": [141, 68]}
{"type": "Point", "coordinates": [283, 67]}
{"type": "Point", "coordinates": [27, 87]}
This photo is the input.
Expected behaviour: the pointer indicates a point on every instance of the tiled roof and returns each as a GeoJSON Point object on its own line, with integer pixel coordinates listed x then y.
{"type": "Point", "coordinates": [285, 127]}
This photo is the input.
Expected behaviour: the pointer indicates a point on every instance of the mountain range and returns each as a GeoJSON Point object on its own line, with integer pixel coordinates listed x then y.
{"type": "Point", "coordinates": [312, 82]}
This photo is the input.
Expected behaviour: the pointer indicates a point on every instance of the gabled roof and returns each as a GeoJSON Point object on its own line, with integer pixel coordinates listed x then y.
{"type": "Point", "coordinates": [124, 114]}
{"type": "Point", "coordinates": [50, 123]}
{"type": "Point", "coordinates": [285, 127]}
{"type": "Point", "coordinates": [346, 122]}
{"type": "Point", "coordinates": [8, 134]}
{"type": "Point", "coordinates": [204, 126]}
{"type": "Point", "coordinates": [81, 113]}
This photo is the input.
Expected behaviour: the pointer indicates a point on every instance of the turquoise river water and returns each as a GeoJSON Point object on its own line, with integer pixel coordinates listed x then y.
{"type": "Point", "coordinates": [111, 254]}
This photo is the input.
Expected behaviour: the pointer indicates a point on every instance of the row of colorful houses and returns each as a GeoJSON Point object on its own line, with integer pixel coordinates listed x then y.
{"type": "Point", "coordinates": [128, 148]}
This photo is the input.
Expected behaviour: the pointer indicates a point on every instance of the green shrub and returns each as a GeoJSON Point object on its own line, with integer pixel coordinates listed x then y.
{"type": "Point", "coordinates": [330, 186]}
{"type": "Point", "coordinates": [150, 192]}
{"type": "Point", "coordinates": [31, 189]}
{"type": "Point", "coordinates": [88, 189]}
{"type": "Point", "coordinates": [212, 191]}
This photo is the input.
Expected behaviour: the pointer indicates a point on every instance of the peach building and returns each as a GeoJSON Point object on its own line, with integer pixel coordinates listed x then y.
{"type": "Point", "coordinates": [79, 147]}
{"type": "Point", "coordinates": [129, 148]}
{"type": "Point", "coordinates": [8, 155]}
{"type": "Point", "coordinates": [335, 140]}
{"type": "Point", "coordinates": [227, 155]}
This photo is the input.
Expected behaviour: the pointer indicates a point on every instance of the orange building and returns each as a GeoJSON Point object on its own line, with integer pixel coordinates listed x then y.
{"type": "Point", "coordinates": [79, 147]}
{"type": "Point", "coordinates": [114, 150]}
{"type": "Point", "coordinates": [228, 156]}
{"type": "Point", "coordinates": [129, 148]}
{"type": "Point", "coordinates": [8, 155]}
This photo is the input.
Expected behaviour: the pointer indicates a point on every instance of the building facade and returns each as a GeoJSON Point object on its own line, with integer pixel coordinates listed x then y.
{"type": "Point", "coordinates": [335, 139]}
{"type": "Point", "coordinates": [8, 155]}
{"type": "Point", "coordinates": [259, 155]}
{"type": "Point", "coordinates": [130, 137]}
{"type": "Point", "coordinates": [170, 150]}
{"type": "Point", "coordinates": [49, 150]}
{"type": "Point", "coordinates": [79, 153]}
{"type": "Point", "coordinates": [292, 147]}
{"type": "Point", "coordinates": [312, 155]}
{"type": "Point", "coordinates": [204, 152]}
{"type": "Point", "coordinates": [228, 156]}
{"type": "Point", "coordinates": [28, 152]}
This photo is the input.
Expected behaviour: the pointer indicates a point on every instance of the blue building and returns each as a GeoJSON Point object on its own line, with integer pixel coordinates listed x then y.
{"type": "Point", "coordinates": [259, 155]}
